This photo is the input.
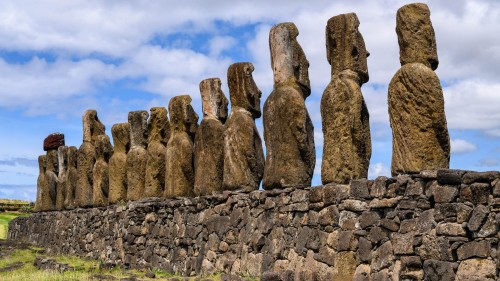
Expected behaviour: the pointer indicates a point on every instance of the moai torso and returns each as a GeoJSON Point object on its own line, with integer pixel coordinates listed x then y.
{"type": "Point", "coordinates": [92, 128]}
{"type": "Point", "coordinates": [41, 184]}
{"type": "Point", "coordinates": [345, 118]}
{"type": "Point", "coordinates": [288, 129]}
{"type": "Point", "coordinates": [158, 135]}
{"type": "Point", "coordinates": [71, 179]}
{"type": "Point", "coordinates": [209, 140]}
{"type": "Point", "coordinates": [179, 176]}
{"type": "Point", "coordinates": [420, 137]}
{"type": "Point", "coordinates": [62, 154]}
{"type": "Point", "coordinates": [137, 156]}
{"type": "Point", "coordinates": [243, 153]}
{"type": "Point", "coordinates": [50, 193]}
{"type": "Point", "coordinates": [100, 173]}
{"type": "Point", "coordinates": [118, 163]}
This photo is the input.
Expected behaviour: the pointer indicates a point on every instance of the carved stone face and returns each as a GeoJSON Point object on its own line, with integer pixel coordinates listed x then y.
{"type": "Point", "coordinates": [301, 68]}
{"type": "Point", "coordinates": [51, 163]}
{"type": "Point", "coordinates": [42, 164]}
{"type": "Point", "coordinates": [92, 126]}
{"type": "Point", "coordinates": [183, 118]}
{"type": "Point", "coordinates": [243, 91]}
{"type": "Point", "coordinates": [345, 46]}
{"type": "Point", "coordinates": [416, 38]}
{"type": "Point", "coordinates": [214, 101]}
{"type": "Point", "coordinates": [121, 137]}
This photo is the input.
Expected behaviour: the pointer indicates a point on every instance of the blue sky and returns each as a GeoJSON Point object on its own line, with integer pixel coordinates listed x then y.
{"type": "Point", "coordinates": [59, 58]}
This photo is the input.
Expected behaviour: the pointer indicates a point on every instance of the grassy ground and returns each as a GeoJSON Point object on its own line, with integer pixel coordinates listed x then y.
{"type": "Point", "coordinates": [4, 222]}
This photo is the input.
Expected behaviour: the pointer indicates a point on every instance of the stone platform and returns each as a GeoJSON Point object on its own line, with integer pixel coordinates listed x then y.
{"type": "Point", "coordinates": [435, 225]}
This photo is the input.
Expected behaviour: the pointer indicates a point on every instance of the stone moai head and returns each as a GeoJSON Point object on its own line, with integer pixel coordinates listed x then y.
{"type": "Point", "coordinates": [121, 137]}
{"type": "Point", "coordinates": [214, 102]}
{"type": "Point", "coordinates": [288, 60]}
{"type": "Point", "coordinates": [242, 88]}
{"type": "Point", "coordinates": [138, 121]}
{"type": "Point", "coordinates": [42, 164]}
{"type": "Point", "coordinates": [158, 125]}
{"type": "Point", "coordinates": [72, 157]}
{"type": "Point", "coordinates": [92, 127]}
{"type": "Point", "coordinates": [416, 38]}
{"type": "Point", "coordinates": [182, 115]}
{"type": "Point", "coordinates": [345, 46]}
{"type": "Point", "coordinates": [103, 148]}
{"type": "Point", "coordinates": [62, 155]}
{"type": "Point", "coordinates": [51, 161]}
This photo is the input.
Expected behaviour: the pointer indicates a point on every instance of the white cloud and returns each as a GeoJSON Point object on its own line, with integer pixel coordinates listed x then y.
{"type": "Point", "coordinates": [459, 146]}
{"type": "Point", "coordinates": [489, 162]}
{"type": "Point", "coordinates": [378, 169]}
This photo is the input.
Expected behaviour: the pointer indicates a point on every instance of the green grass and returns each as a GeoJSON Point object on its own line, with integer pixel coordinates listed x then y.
{"type": "Point", "coordinates": [14, 201]}
{"type": "Point", "coordinates": [4, 222]}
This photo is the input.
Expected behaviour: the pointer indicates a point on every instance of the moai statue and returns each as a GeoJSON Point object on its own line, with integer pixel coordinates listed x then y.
{"type": "Point", "coordinates": [71, 178]}
{"type": "Point", "coordinates": [179, 176]}
{"type": "Point", "coordinates": [345, 118]}
{"type": "Point", "coordinates": [158, 135]}
{"type": "Point", "coordinates": [92, 128]}
{"type": "Point", "coordinates": [118, 163]}
{"type": "Point", "coordinates": [62, 177]}
{"type": "Point", "coordinates": [50, 193]}
{"type": "Point", "coordinates": [51, 183]}
{"type": "Point", "coordinates": [137, 156]}
{"type": "Point", "coordinates": [41, 184]}
{"type": "Point", "coordinates": [243, 154]}
{"type": "Point", "coordinates": [209, 141]}
{"type": "Point", "coordinates": [100, 173]}
{"type": "Point", "coordinates": [420, 139]}
{"type": "Point", "coordinates": [288, 129]}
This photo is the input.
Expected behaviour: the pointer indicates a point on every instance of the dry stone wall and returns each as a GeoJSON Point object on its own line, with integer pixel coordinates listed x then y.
{"type": "Point", "coordinates": [435, 225]}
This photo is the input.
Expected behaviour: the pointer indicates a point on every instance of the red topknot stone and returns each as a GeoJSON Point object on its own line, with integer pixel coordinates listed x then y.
{"type": "Point", "coordinates": [53, 141]}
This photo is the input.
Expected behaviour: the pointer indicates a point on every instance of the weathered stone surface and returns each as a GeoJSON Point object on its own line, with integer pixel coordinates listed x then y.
{"type": "Point", "coordinates": [382, 257]}
{"type": "Point", "coordinates": [418, 122]}
{"type": "Point", "coordinates": [445, 193]}
{"type": "Point", "coordinates": [209, 140]}
{"type": "Point", "coordinates": [51, 178]}
{"type": "Point", "coordinates": [53, 141]}
{"type": "Point", "coordinates": [486, 177]}
{"type": "Point", "coordinates": [71, 177]}
{"type": "Point", "coordinates": [92, 128]}
{"type": "Point", "coordinates": [450, 229]}
{"type": "Point", "coordinates": [435, 270]}
{"type": "Point", "coordinates": [449, 176]}
{"type": "Point", "coordinates": [345, 118]}
{"type": "Point", "coordinates": [478, 217]}
{"type": "Point", "coordinates": [362, 273]}
{"type": "Point", "coordinates": [243, 153]}
{"type": "Point", "coordinates": [137, 155]}
{"type": "Point", "coordinates": [42, 196]}
{"type": "Point", "coordinates": [345, 266]}
{"type": "Point", "coordinates": [158, 136]}
{"type": "Point", "coordinates": [179, 176]}
{"type": "Point", "coordinates": [477, 193]}
{"type": "Point", "coordinates": [416, 103]}
{"type": "Point", "coordinates": [118, 163]}
{"type": "Point", "coordinates": [416, 38]}
{"type": "Point", "coordinates": [476, 270]}
{"type": "Point", "coordinates": [403, 243]}
{"type": "Point", "coordinates": [104, 151]}
{"type": "Point", "coordinates": [62, 176]}
{"type": "Point", "coordinates": [288, 129]}
{"type": "Point", "coordinates": [478, 249]}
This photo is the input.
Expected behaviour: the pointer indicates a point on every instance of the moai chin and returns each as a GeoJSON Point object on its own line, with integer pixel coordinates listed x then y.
{"type": "Point", "coordinates": [118, 163]}
{"type": "Point", "coordinates": [179, 176]}
{"type": "Point", "coordinates": [288, 129]}
{"type": "Point", "coordinates": [209, 140]}
{"type": "Point", "coordinates": [92, 127]}
{"type": "Point", "coordinates": [243, 153]}
{"type": "Point", "coordinates": [137, 156]}
{"type": "Point", "coordinates": [62, 155]}
{"type": "Point", "coordinates": [71, 178]}
{"type": "Point", "coordinates": [100, 173]}
{"type": "Point", "coordinates": [158, 135]}
{"type": "Point", "coordinates": [420, 139]}
{"type": "Point", "coordinates": [345, 118]}
{"type": "Point", "coordinates": [41, 184]}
